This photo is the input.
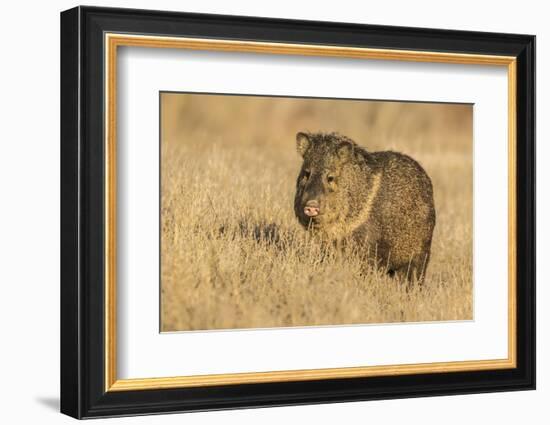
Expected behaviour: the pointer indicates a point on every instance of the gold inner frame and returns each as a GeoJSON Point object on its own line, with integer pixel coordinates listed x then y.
{"type": "Point", "coordinates": [113, 41]}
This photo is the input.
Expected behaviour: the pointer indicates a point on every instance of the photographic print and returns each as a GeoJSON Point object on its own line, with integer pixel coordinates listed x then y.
{"type": "Point", "coordinates": [291, 212]}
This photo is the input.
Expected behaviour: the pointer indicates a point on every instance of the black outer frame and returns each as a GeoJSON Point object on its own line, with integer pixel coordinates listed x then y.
{"type": "Point", "coordinates": [82, 218]}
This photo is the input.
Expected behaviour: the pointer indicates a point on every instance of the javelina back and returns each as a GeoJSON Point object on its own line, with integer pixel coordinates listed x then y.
{"type": "Point", "coordinates": [381, 201]}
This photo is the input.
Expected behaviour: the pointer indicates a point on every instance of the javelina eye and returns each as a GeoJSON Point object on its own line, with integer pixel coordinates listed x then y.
{"type": "Point", "coordinates": [307, 173]}
{"type": "Point", "coordinates": [330, 179]}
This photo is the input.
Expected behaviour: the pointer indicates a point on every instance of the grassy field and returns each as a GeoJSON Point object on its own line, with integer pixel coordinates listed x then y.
{"type": "Point", "coordinates": [234, 256]}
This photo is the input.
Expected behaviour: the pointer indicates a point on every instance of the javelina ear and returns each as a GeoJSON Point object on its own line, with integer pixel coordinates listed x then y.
{"type": "Point", "coordinates": [302, 142]}
{"type": "Point", "coordinates": [345, 151]}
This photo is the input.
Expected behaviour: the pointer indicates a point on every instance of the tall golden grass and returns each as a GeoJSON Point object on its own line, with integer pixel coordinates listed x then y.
{"type": "Point", "coordinates": [232, 252]}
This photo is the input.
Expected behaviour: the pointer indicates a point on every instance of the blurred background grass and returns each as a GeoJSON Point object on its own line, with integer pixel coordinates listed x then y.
{"type": "Point", "coordinates": [230, 163]}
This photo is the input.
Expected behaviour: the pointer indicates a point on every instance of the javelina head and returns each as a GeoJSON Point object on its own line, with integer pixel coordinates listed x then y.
{"type": "Point", "coordinates": [327, 179]}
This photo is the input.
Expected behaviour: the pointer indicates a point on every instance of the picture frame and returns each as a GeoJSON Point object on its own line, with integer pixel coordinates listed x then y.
{"type": "Point", "coordinates": [91, 37]}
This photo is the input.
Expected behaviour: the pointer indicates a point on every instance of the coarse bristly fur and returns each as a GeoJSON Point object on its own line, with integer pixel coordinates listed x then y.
{"type": "Point", "coordinates": [382, 202]}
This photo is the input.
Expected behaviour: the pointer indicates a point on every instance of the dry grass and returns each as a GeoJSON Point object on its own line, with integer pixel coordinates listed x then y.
{"type": "Point", "coordinates": [232, 253]}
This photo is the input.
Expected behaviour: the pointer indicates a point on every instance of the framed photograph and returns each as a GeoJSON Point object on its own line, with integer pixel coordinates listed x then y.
{"type": "Point", "coordinates": [261, 212]}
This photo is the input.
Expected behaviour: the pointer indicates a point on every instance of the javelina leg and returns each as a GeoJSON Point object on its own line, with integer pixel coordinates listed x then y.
{"type": "Point", "coordinates": [414, 271]}
{"type": "Point", "coordinates": [379, 258]}
{"type": "Point", "coordinates": [421, 264]}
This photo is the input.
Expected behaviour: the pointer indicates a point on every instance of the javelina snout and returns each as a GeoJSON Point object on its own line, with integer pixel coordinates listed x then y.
{"type": "Point", "coordinates": [381, 201]}
{"type": "Point", "coordinates": [312, 208]}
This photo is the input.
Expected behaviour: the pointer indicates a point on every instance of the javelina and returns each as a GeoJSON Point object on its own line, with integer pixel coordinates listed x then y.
{"type": "Point", "coordinates": [380, 201]}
